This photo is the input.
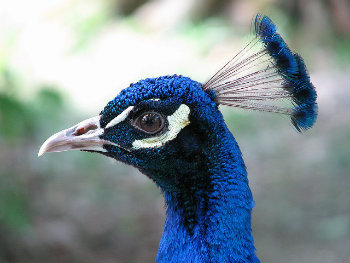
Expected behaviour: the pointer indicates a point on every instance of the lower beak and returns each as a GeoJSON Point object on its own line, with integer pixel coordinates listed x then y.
{"type": "Point", "coordinates": [86, 135]}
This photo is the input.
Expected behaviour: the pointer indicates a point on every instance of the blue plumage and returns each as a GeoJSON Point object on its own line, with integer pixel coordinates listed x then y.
{"type": "Point", "coordinates": [171, 129]}
{"type": "Point", "coordinates": [276, 47]}
{"type": "Point", "coordinates": [304, 116]}
{"type": "Point", "coordinates": [292, 68]}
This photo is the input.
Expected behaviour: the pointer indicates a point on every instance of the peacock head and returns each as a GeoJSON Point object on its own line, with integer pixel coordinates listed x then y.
{"type": "Point", "coordinates": [159, 125]}
{"type": "Point", "coordinates": [166, 126]}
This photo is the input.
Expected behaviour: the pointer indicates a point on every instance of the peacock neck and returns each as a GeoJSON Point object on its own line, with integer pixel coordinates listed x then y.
{"type": "Point", "coordinates": [212, 223]}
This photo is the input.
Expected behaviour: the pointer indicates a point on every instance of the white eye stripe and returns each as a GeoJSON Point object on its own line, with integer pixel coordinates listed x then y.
{"type": "Point", "coordinates": [177, 122]}
{"type": "Point", "coordinates": [122, 116]}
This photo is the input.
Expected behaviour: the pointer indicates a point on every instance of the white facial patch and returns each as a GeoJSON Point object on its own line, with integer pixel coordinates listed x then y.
{"type": "Point", "coordinates": [176, 122]}
{"type": "Point", "coordinates": [122, 116]}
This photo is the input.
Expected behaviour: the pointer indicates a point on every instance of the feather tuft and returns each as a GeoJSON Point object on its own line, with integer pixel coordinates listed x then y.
{"type": "Point", "coordinates": [284, 58]}
{"type": "Point", "coordinates": [304, 116]}
{"type": "Point", "coordinates": [258, 80]}
{"type": "Point", "coordinates": [264, 26]}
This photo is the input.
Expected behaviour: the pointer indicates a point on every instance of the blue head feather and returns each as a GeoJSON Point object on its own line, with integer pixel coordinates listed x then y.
{"type": "Point", "coordinates": [256, 81]}
{"type": "Point", "coordinates": [276, 47]}
{"type": "Point", "coordinates": [292, 68]}
{"type": "Point", "coordinates": [304, 116]}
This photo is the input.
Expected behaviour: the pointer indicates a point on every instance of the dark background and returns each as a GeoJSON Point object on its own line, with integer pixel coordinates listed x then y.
{"type": "Point", "coordinates": [62, 61]}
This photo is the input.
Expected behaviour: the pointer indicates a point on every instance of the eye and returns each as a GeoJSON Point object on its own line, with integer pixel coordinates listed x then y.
{"type": "Point", "coordinates": [150, 122]}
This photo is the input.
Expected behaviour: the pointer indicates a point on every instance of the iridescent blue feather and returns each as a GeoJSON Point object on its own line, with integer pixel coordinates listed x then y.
{"type": "Point", "coordinates": [285, 61]}
{"type": "Point", "coordinates": [259, 80]}
{"type": "Point", "coordinates": [293, 69]}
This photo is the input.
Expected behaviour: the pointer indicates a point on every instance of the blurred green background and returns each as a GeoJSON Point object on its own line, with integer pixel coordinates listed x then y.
{"type": "Point", "coordinates": [61, 61]}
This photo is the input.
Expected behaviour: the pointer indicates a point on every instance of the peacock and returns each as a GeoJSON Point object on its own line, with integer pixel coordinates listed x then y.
{"type": "Point", "coordinates": [171, 129]}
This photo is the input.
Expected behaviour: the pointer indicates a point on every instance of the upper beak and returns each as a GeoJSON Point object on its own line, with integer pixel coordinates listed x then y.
{"type": "Point", "coordinates": [83, 136]}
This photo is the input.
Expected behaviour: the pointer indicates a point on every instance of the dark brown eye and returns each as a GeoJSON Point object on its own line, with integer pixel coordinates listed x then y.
{"type": "Point", "coordinates": [150, 122]}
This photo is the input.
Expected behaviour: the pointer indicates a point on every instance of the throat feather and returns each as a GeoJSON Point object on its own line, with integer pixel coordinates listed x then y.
{"type": "Point", "coordinates": [209, 211]}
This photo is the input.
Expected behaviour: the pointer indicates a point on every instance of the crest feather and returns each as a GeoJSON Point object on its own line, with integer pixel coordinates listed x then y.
{"type": "Point", "coordinates": [264, 73]}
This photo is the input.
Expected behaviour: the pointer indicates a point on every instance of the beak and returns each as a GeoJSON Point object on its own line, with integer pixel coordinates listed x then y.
{"type": "Point", "coordinates": [83, 136]}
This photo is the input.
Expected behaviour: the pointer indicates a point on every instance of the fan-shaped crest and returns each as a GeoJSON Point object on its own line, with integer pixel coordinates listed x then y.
{"type": "Point", "coordinates": [263, 74]}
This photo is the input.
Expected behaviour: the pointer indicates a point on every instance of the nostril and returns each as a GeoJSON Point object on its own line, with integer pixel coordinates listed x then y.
{"type": "Point", "coordinates": [85, 129]}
